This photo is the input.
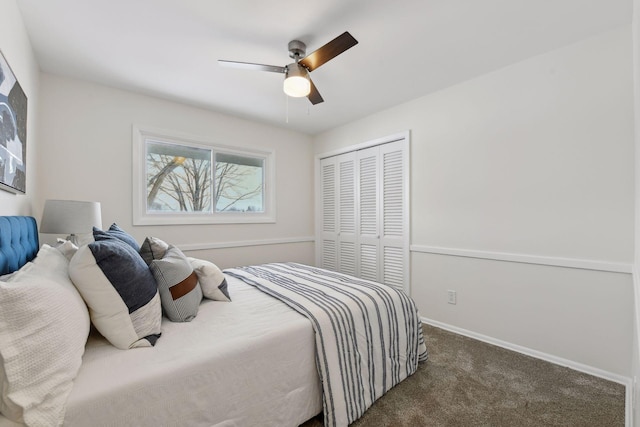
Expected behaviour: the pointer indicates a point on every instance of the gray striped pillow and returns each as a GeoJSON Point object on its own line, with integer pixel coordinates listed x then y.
{"type": "Point", "coordinates": [180, 292]}
{"type": "Point", "coordinates": [153, 248]}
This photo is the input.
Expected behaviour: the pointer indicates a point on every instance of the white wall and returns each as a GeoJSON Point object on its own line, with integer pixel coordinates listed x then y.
{"type": "Point", "coordinates": [16, 48]}
{"type": "Point", "coordinates": [86, 152]}
{"type": "Point", "coordinates": [532, 162]}
{"type": "Point", "coordinates": [636, 259]}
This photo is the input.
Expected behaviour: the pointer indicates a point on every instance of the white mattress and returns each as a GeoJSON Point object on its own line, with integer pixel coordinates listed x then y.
{"type": "Point", "coordinates": [245, 363]}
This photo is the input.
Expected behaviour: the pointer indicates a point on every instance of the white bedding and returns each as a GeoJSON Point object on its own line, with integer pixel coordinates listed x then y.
{"type": "Point", "coordinates": [245, 363]}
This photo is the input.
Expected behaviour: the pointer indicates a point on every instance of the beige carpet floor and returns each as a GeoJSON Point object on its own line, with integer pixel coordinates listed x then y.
{"type": "Point", "coordinates": [467, 382]}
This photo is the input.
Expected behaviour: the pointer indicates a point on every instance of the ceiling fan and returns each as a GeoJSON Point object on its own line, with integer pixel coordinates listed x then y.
{"type": "Point", "coordinates": [297, 82]}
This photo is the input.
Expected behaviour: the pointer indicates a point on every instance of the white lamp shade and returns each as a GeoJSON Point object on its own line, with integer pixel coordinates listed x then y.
{"type": "Point", "coordinates": [70, 217]}
{"type": "Point", "coordinates": [297, 83]}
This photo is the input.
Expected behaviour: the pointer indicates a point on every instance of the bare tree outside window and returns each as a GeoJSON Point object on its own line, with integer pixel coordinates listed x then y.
{"type": "Point", "coordinates": [239, 183]}
{"type": "Point", "coordinates": [179, 180]}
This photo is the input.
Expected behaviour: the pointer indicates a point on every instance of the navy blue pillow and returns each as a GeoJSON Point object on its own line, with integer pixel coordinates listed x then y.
{"type": "Point", "coordinates": [120, 291]}
{"type": "Point", "coordinates": [118, 233]}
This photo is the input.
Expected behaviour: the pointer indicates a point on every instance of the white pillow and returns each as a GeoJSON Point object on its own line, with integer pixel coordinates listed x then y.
{"type": "Point", "coordinates": [6, 277]}
{"type": "Point", "coordinates": [44, 325]}
{"type": "Point", "coordinates": [67, 248]}
{"type": "Point", "coordinates": [212, 280]}
{"type": "Point", "coordinates": [53, 261]}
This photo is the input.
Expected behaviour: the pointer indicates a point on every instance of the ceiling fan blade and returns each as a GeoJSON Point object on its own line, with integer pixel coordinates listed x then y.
{"type": "Point", "coordinates": [329, 51]}
{"type": "Point", "coordinates": [252, 66]}
{"type": "Point", "coordinates": [314, 96]}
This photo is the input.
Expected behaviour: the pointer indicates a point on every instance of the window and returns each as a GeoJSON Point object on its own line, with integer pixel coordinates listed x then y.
{"type": "Point", "coordinates": [239, 183]}
{"type": "Point", "coordinates": [180, 180]}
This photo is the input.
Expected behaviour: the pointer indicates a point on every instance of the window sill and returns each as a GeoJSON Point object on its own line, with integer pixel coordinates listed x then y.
{"type": "Point", "coordinates": [182, 219]}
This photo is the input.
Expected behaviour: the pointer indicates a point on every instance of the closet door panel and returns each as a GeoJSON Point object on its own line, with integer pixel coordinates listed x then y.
{"type": "Point", "coordinates": [329, 254]}
{"type": "Point", "coordinates": [347, 212]}
{"type": "Point", "coordinates": [393, 267]}
{"type": "Point", "coordinates": [393, 256]}
{"type": "Point", "coordinates": [392, 194]}
{"type": "Point", "coordinates": [328, 218]}
{"type": "Point", "coordinates": [369, 261]}
{"type": "Point", "coordinates": [369, 217]}
{"type": "Point", "coordinates": [368, 185]}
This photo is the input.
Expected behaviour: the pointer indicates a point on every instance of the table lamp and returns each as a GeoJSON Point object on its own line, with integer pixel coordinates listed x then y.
{"type": "Point", "coordinates": [70, 217]}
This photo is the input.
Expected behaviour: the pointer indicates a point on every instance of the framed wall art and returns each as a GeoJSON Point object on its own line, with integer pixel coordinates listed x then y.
{"type": "Point", "coordinates": [13, 131]}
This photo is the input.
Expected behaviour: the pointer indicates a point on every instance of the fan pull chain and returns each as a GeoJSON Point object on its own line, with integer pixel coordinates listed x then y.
{"type": "Point", "coordinates": [287, 109]}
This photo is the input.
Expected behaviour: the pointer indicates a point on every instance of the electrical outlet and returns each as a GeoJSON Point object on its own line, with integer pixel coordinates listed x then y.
{"type": "Point", "coordinates": [451, 297]}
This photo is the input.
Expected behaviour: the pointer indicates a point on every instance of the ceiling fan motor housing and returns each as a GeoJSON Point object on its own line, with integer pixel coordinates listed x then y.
{"type": "Point", "coordinates": [297, 49]}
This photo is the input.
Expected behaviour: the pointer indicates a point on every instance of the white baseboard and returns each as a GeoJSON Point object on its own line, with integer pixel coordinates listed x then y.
{"type": "Point", "coordinates": [531, 352]}
{"type": "Point", "coordinates": [627, 382]}
{"type": "Point", "coordinates": [635, 372]}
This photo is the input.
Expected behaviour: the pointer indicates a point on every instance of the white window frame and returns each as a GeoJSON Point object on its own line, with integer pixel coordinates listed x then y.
{"type": "Point", "coordinates": [142, 217]}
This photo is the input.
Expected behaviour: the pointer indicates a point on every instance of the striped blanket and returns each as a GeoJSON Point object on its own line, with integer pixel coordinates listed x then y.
{"type": "Point", "coordinates": [368, 335]}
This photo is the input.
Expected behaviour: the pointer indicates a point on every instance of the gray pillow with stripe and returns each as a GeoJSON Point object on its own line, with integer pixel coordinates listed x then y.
{"type": "Point", "coordinates": [153, 248]}
{"type": "Point", "coordinates": [178, 285]}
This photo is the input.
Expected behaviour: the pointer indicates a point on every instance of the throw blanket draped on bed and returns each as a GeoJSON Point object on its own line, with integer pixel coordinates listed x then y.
{"type": "Point", "coordinates": [368, 335]}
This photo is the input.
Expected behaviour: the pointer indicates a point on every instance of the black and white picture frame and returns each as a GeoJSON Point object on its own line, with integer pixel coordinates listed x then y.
{"type": "Point", "coordinates": [13, 131]}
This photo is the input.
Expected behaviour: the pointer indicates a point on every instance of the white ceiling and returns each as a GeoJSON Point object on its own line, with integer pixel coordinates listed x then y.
{"type": "Point", "coordinates": [407, 48]}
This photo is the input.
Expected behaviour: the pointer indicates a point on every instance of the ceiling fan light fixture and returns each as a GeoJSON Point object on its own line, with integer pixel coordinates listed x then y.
{"type": "Point", "coordinates": [296, 82]}
{"type": "Point", "coordinates": [296, 75]}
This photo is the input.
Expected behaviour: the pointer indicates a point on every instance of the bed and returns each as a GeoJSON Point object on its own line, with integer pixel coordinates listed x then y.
{"type": "Point", "coordinates": [293, 342]}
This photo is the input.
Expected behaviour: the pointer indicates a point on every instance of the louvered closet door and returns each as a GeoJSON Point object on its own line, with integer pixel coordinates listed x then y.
{"type": "Point", "coordinates": [347, 259]}
{"type": "Point", "coordinates": [368, 200]}
{"type": "Point", "coordinates": [328, 217]}
{"type": "Point", "coordinates": [393, 246]}
{"type": "Point", "coordinates": [364, 213]}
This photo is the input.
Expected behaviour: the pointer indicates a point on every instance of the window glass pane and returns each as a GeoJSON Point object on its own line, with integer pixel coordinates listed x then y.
{"type": "Point", "coordinates": [186, 180]}
{"type": "Point", "coordinates": [178, 178]}
{"type": "Point", "coordinates": [239, 183]}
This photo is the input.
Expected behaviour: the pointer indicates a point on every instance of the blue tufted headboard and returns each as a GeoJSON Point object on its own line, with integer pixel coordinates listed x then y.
{"type": "Point", "coordinates": [18, 242]}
